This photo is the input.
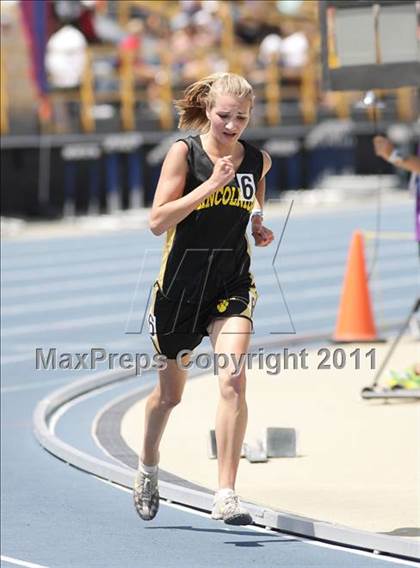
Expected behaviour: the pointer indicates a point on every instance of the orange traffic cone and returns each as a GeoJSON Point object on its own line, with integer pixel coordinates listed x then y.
{"type": "Point", "coordinates": [355, 319]}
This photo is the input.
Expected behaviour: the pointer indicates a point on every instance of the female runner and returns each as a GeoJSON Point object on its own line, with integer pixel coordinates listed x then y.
{"type": "Point", "coordinates": [209, 187]}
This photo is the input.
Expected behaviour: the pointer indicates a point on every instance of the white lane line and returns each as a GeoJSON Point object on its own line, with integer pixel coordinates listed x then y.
{"type": "Point", "coordinates": [65, 407]}
{"type": "Point", "coordinates": [321, 273]}
{"type": "Point", "coordinates": [34, 385]}
{"type": "Point", "coordinates": [279, 535]}
{"type": "Point", "coordinates": [321, 315]}
{"type": "Point", "coordinates": [35, 257]}
{"type": "Point", "coordinates": [73, 285]}
{"type": "Point", "coordinates": [382, 306]}
{"type": "Point", "coordinates": [80, 269]}
{"type": "Point", "coordinates": [26, 348]}
{"type": "Point", "coordinates": [90, 255]}
{"type": "Point", "coordinates": [139, 344]}
{"type": "Point", "coordinates": [17, 562]}
{"type": "Point", "coordinates": [8, 359]}
{"type": "Point", "coordinates": [70, 303]}
{"type": "Point", "coordinates": [50, 245]}
{"type": "Point", "coordinates": [290, 257]}
{"type": "Point", "coordinates": [123, 238]}
{"type": "Point", "coordinates": [118, 317]}
{"type": "Point", "coordinates": [259, 257]}
{"type": "Point", "coordinates": [326, 291]}
{"type": "Point", "coordinates": [64, 325]}
{"type": "Point", "coordinates": [115, 299]}
{"type": "Point", "coordinates": [96, 264]}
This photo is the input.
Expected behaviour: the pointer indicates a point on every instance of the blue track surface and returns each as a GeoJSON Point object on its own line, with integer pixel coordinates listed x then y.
{"type": "Point", "coordinates": [75, 293]}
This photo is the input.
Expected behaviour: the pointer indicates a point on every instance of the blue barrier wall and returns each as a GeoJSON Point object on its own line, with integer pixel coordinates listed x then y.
{"type": "Point", "coordinates": [51, 177]}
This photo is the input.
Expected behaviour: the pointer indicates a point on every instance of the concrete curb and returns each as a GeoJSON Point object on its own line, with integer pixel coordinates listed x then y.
{"type": "Point", "coordinates": [47, 407]}
{"type": "Point", "coordinates": [281, 521]}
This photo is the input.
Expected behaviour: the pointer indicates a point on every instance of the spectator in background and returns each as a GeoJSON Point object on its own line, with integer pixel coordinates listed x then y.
{"type": "Point", "coordinates": [289, 7]}
{"type": "Point", "coordinates": [183, 38]}
{"type": "Point", "coordinates": [65, 62]}
{"type": "Point", "coordinates": [252, 22]}
{"type": "Point", "coordinates": [67, 11]}
{"type": "Point", "coordinates": [294, 49]}
{"type": "Point", "coordinates": [288, 46]}
{"type": "Point", "coordinates": [208, 29]}
{"type": "Point", "coordinates": [155, 40]}
{"type": "Point", "coordinates": [211, 6]}
{"type": "Point", "coordinates": [94, 25]}
{"type": "Point", "coordinates": [385, 149]}
{"type": "Point", "coordinates": [107, 30]}
{"type": "Point", "coordinates": [66, 57]}
{"type": "Point", "coordinates": [192, 43]}
{"type": "Point", "coordinates": [7, 14]}
{"type": "Point", "coordinates": [156, 36]}
{"type": "Point", "coordinates": [86, 21]}
{"type": "Point", "coordinates": [248, 30]}
{"type": "Point", "coordinates": [271, 47]}
{"type": "Point", "coordinates": [132, 41]}
{"type": "Point", "coordinates": [190, 7]}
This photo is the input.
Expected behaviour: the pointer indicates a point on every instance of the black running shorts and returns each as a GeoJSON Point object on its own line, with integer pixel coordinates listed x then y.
{"type": "Point", "coordinates": [175, 326]}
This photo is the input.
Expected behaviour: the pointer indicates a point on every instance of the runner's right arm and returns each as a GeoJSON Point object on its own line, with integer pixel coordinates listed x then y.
{"type": "Point", "coordinates": [169, 205]}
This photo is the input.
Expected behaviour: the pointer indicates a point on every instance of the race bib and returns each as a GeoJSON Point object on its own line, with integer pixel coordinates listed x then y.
{"type": "Point", "coordinates": [246, 185]}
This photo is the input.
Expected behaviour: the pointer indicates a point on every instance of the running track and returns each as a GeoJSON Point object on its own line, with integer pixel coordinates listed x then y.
{"type": "Point", "coordinates": [77, 292]}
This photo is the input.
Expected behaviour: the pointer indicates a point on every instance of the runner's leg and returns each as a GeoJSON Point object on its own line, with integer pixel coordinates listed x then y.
{"type": "Point", "coordinates": [230, 336]}
{"type": "Point", "coordinates": [166, 395]}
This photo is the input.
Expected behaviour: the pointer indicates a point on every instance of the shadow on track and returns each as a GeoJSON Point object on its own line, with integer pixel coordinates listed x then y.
{"type": "Point", "coordinates": [251, 543]}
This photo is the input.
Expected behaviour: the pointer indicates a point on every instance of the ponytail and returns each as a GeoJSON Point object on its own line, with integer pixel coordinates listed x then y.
{"type": "Point", "coordinates": [201, 96]}
{"type": "Point", "coordinates": [192, 107]}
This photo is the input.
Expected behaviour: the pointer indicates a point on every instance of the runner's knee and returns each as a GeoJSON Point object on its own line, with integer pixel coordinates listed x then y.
{"type": "Point", "coordinates": [232, 385]}
{"type": "Point", "coordinates": [169, 401]}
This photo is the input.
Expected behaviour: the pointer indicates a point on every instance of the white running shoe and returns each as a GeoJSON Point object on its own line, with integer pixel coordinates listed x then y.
{"type": "Point", "coordinates": [229, 510]}
{"type": "Point", "coordinates": [146, 495]}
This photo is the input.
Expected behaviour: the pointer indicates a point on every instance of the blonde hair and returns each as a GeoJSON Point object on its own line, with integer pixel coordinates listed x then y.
{"type": "Point", "coordinates": [202, 94]}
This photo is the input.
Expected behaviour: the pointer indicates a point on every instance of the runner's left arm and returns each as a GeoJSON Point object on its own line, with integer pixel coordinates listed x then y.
{"type": "Point", "coordinates": [261, 234]}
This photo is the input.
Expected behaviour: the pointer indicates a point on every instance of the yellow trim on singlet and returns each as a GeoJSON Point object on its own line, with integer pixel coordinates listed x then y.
{"type": "Point", "coordinates": [170, 234]}
{"type": "Point", "coordinates": [154, 337]}
{"type": "Point", "coordinates": [253, 289]}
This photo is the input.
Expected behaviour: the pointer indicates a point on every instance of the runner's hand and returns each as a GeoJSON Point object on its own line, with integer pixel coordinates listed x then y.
{"type": "Point", "coordinates": [262, 236]}
{"type": "Point", "coordinates": [382, 147]}
{"type": "Point", "coordinates": [223, 171]}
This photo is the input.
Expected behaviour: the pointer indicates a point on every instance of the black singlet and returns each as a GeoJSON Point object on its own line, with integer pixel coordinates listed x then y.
{"type": "Point", "coordinates": [208, 252]}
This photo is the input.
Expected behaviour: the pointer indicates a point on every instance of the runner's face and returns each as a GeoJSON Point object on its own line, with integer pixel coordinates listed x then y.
{"type": "Point", "coordinates": [228, 118]}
